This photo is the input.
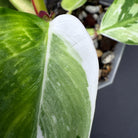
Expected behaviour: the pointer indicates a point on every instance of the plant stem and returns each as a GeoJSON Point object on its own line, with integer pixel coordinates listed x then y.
{"type": "Point", "coordinates": [69, 12]}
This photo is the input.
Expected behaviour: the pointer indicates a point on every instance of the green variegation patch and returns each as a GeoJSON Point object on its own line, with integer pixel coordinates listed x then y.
{"type": "Point", "coordinates": [71, 5]}
{"type": "Point", "coordinates": [121, 21]}
{"type": "Point", "coordinates": [47, 84]}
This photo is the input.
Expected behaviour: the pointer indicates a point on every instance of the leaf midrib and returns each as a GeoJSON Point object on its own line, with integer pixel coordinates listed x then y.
{"type": "Point", "coordinates": [44, 74]}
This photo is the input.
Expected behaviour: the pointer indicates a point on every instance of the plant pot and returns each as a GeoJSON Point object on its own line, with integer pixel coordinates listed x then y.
{"type": "Point", "coordinates": [106, 2]}
{"type": "Point", "coordinates": [118, 52]}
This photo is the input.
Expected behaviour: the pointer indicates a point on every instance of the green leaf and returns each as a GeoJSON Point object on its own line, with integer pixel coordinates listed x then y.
{"type": "Point", "coordinates": [121, 21]}
{"type": "Point", "coordinates": [39, 5]}
{"type": "Point", "coordinates": [23, 5]}
{"type": "Point", "coordinates": [71, 5]}
{"type": "Point", "coordinates": [48, 77]}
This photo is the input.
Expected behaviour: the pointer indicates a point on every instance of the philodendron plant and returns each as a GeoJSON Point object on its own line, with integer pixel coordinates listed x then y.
{"type": "Point", "coordinates": [49, 67]}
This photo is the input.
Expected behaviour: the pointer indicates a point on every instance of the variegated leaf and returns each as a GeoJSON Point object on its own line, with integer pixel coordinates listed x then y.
{"type": "Point", "coordinates": [48, 77]}
{"type": "Point", "coordinates": [121, 21]}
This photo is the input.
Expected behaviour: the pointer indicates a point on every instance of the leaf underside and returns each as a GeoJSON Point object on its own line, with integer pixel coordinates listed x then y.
{"type": "Point", "coordinates": [121, 21]}
{"type": "Point", "coordinates": [23, 5]}
{"type": "Point", "coordinates": [43, 88]}
{"type": "Point", "coordinates": [71, 5]}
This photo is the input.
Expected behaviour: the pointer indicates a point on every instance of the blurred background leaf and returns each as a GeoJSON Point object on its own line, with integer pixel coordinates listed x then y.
{"type": "Point", "coordinates": [6, 3]}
